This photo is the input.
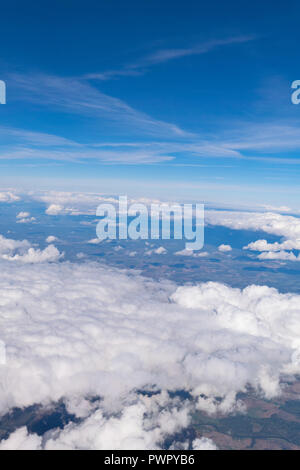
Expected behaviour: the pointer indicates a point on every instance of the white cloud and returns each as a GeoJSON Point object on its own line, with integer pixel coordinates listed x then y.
{"type": "Point", "coordinates": [54, 209]}
{"type": "Point", "coordinates": [194, 254]}
{"type": "Point", "coordinates": [132, 253]}
{"type": "Point", "coordinates": [49, 254]}
{"type": "Point", "coordinates": [278, 255]}
{"type": "Point", "coordinates": [23, 215]}
{"type": "Point", "coordinates": [24, 218]}
{"type": "Point", "coordinates": [26, 221]}
{"type": "Point", "coordinates": [94, 241]}
{"type": "Point", "coordinates": [204, 444]}
{"type": "Point", "coordinates": [156, 251]}
{"type": "Point", "coordinates": [51, 239]}
{"type": "Point", "coordinates": [263, 245]}
{"type": "Point", "coordinates": [78, 330]}
{"type": "Point", "coordinates": [224, 248]}
{"type": "Point", "coordinates": [8, 246]}
{"type": "Point", "coordinates": [79, 97]}
{"type": "Point", "coordinates": [285, 226]}
{"type": "Point", "coordinates": [8, 196]}
{"type": "Point", "coordinates": [79, 203]}
{"type": "Point", "coordinates": [165, 55]}
{"type": "Point", "coordinates": [269, 208]}
{"type": "Point", "coordinates": [273, 223]}
{"type": "Point", "coordinates": [22, 440]}
{"type": "Point", "coordinates": [143, 424]}
{"type": "Point", "coordinates": [22, 251]}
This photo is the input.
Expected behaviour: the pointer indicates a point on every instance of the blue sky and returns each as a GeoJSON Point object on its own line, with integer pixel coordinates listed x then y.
{"type": "Point", "coordinates": [186, 99]}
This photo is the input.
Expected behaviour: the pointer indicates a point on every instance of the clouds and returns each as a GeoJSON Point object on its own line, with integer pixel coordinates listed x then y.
{"type": "Point", "coordinates": [77, 95]}
{"type": "Point", "coordinates": [24, 218]}
{"type": "Point", "coordinates": [273, 223]}
{"type": "Point", "coordinates": [49, 254]}
{"type": "Point", "coordinates": [284, 226]}
{"type": "Point", "coordinates": [263, 245]}
{"type": "Point", "coordinates": [275, 251]}
{"type": "Point", "coordinates": [191, 253]}
{"type": "Point", "coordinates": [224, 248]}
{"type": "Point", "coordinates": [51, 239]}
{"type": "Point", "coordinates": [87, 330]}
{"type": "Point", "coordinates": [71, 203]}
{"type": "Point", "coordinates": [21, 440]}
{"type": "Point", "coordinates": [204, 444]}
{"type": "Point", "coordinates": [8, 196]}
{"type": "Point", "coordinates": [156, 251]}
{"type": "Point", "coordinates": [73, 331]}
{"type": "Point", "coordinates": [22, 215]}
{"type": "Point", "coordinates": [166, 55]}
{"type": "Point", "coordinates": [20, 144]}
{"type": "Point", "coordinates": [54, 209]}
{"type": "Point", "coordinates": [74, 95]}
{"type": "Point", "coordinates": [143, 424]}
{"type": "Point", "coordinates": [22, 251]}
{"type": "Point", "coordinates": [164, 143]}
{"type": "Point", "coordinates": [279, 255]}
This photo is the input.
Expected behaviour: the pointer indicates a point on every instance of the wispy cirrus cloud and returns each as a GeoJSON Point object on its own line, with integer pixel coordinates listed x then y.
{"type": "Point", "coordinates": [164, 55]}
{"type": "Point", "coordinates": [10, 134]}
{"type": "Point", "coordinates": [267, 143]}
{"type": "Point", "coordinates": [86, 154]}
{"type": "Point", "coordinates": [74, 95]}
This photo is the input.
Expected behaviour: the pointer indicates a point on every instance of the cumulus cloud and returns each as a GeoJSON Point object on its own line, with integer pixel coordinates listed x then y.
{"type": "Point", "coordinates": [21, 440]}
{"type": "Point", "coordinates": [49, 254]}
{"type": "Point", "coordinates": [54, 209]}
{"type": "Point", "coordinates": [285, 226]}
{"type": "Point", "coordinates": [224, 248]}
{"type": "Point", "coordinates": [276, 224]}
{"type": "Point", "coordinates": [278, 255]}
{"type": "Point", "coordinates": [263, 245]}
{"type": "Point", "coordinates": [191, 253]}
{"type": "Point", "coordinates": [24, 218]}
{"type": "Point", "coordinates": [143, 424]}
{"type": "Point", "coordinates": [8, 196]}
{"type": "Point", "coordinates": [74, 331]}
{"type": "Point", "coordinates": [276, 208]}
{"type": "Point", "coordinates": [94, 241]}
{"type": "Point", "coordinates": [204, 444]}
{"type": "Point", "coordinates": [80, 203]}
{"type": "Point", "coordinates": [22, 251]}
{"type": "Point", "coordinates": [26, 221]}
{"type": "Point", "coordinates": [8, 245]}
{"type": "Point", "coordinates": [22, 215]}
{"type": "Point", "coordinates": [156, 251]}
{"type": "Point", "coordinates": [72, 203]}
{"type": "Point", "coordinates": [51, 239]}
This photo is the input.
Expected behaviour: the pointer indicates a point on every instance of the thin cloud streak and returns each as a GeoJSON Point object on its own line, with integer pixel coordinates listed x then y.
{"type": "Point", "coordinates": [77, 96]}
{"type": "Point", "coordinates": [165, 55]}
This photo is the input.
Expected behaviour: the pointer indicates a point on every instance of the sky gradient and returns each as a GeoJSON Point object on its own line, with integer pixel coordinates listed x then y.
{"type": "Point", "coordinates": [180, 100]}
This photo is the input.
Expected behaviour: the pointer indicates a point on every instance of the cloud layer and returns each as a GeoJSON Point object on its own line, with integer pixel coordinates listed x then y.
{"type": "Point", "coordinates": [76, 331]}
